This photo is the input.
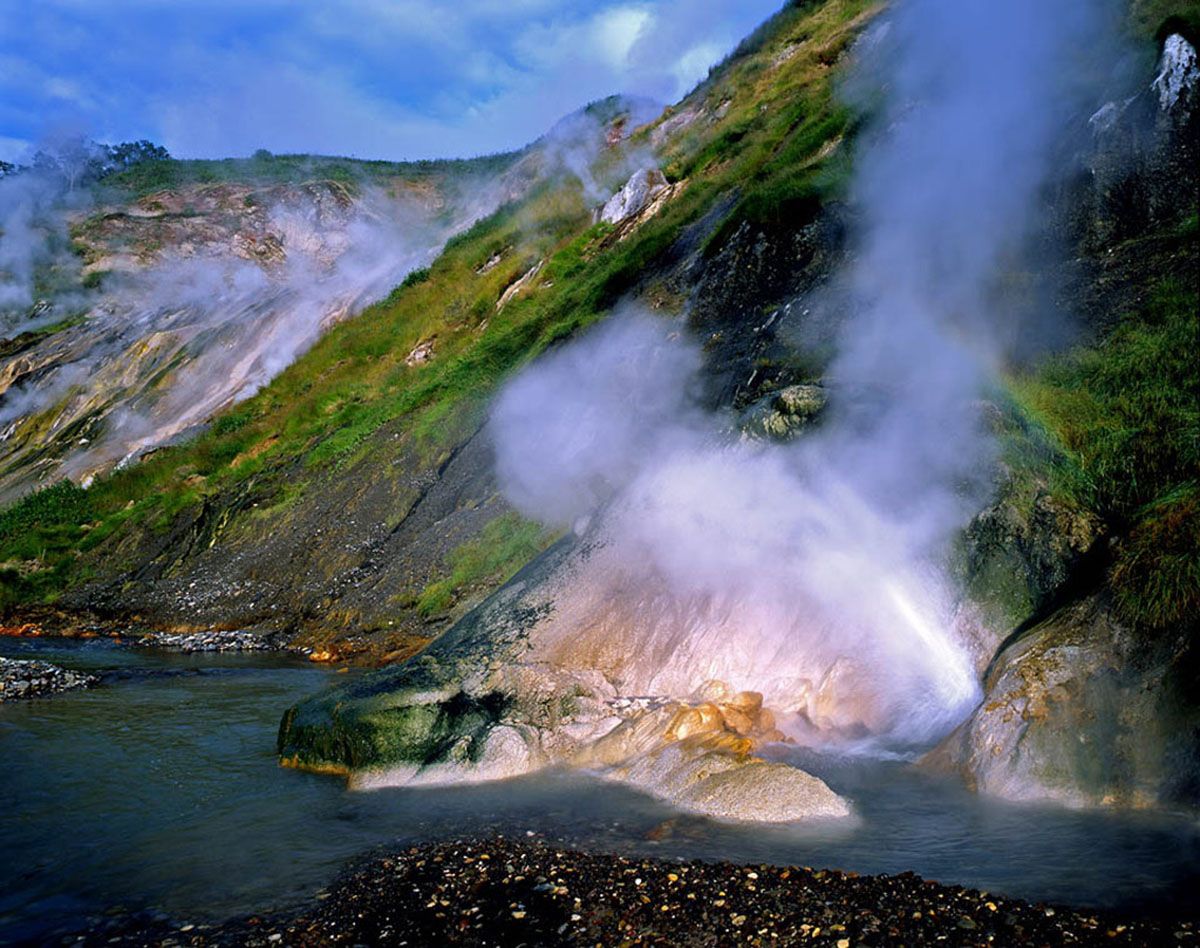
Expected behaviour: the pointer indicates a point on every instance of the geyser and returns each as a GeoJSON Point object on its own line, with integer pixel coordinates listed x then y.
{"type": "Point", "coordinates": [721, 559]}
{"type": "Point", "coordinates": [814, 573]}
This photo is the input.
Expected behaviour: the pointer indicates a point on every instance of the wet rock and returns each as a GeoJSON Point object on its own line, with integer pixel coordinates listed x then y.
{"type": "Point", "coordinates": [1081, 711]}
{"type": "Point", "coordinates": [21, 678]}
{"type": "Point", "coordinates": [1020, 552]}
{"type": "Point", "coordinates": [782, 415]}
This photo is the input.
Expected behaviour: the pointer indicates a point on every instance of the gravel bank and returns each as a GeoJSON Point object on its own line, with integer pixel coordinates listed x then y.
{"type": "Point", "coordinates": [209, 641]}
{"type": "Point", "coordinates": [28, 678]}
{"type": "Point", "coordinates": [502, 891]}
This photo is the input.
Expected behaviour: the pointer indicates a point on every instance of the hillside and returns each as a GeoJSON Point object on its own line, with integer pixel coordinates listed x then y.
{"type": "Point", "coordinates": [350, 506]}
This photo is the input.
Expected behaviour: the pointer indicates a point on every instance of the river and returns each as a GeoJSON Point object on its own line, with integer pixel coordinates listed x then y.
{"type": "Point", "coordinates": [159, 791]}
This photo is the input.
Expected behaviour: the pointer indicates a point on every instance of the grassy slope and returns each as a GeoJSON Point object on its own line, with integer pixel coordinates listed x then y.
{"type": "Point", "coordinates": [767, 145]}
{"type": "Point", "coordinates": [1117, 422]}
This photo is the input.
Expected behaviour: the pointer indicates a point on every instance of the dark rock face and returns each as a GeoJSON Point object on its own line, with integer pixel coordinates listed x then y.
{"type": "Point", "coordinates": [1022, 551]}
{"type": "Point", "coordinates": [1141, 167]}
{"type": "Point", "coordinates": [1082, 711]}
{"type": "Point", "coordinates": [335, 563]}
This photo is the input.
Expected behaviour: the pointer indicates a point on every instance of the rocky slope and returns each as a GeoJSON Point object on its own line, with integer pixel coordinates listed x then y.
{"type": "Point", "coordinates": [195, 296]}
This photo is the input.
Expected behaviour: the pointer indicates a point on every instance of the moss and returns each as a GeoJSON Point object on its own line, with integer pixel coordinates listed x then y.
{"type": "Point", "coordinates": [389, 729]}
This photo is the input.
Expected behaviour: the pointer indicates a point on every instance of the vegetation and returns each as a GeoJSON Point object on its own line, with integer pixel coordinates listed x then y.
{"type": "Point", "coordinates": [1125, 418]}
{"type": "Point", "coordinates": [264, 168]}
{"type": "Point", "coordinates": [505, 545]}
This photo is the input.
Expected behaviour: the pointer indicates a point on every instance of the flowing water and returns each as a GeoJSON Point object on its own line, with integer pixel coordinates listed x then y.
{"type": "Point", "coordinates": [159, 791]}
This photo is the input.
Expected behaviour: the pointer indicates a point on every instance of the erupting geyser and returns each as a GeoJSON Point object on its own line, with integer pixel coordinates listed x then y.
{"type": "Point", "coordinates": [724, 560]}
{"type": "Point", "coordinates": [814, 573]}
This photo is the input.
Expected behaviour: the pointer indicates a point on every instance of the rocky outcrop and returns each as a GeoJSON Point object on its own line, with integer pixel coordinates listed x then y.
{"type": "Point", "coordinates": [553, 669]}
{"type": "Point", "coordinates": [782, 415]}
{"type": "Point", "coordinates": [1082, 711]}
{"type": "Point", "coordinates": [26, 678]}
{"type": "Point", "coordinates": [1141, 160]}
{"type": "Point", "coordinates": [634, 196]}
{"type": "Point", "coordinates": [1020, 553]}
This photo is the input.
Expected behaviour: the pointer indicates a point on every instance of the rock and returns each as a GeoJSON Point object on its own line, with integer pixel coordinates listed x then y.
{"type": "Point", "coordinates": [634, 196]}
{"type": "Point", "coordinates": [1081, 711]}
{"type": "Point", "coordinates": [781, 415]}
{"type": "Point", "coordinates": [212, 640]}
{"type": "Point", "coordinates": [25, 678]}
{"type": "Point", "coordinates": [549, 670]}
{"type": "Point", "coordinates": [1020, 552]}
{"type": "Point", "coordinates": [421, 353]}
{"type": "Point", "coordinates": [1178, 75]}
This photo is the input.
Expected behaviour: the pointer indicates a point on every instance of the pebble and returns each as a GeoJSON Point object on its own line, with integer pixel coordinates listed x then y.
{"type": "Point", "coordinates": [213, 640]}
{"type": "Point", "coordinates": [435, 894]}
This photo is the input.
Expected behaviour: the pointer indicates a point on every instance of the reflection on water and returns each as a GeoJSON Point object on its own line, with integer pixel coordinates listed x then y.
{"type": "Point", "coordinates": [160, 789]}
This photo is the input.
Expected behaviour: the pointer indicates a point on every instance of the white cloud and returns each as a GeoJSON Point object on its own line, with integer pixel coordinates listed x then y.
{"type": "Point", "coordinates": [379, 78]}
{"type": "Point", "coordinates": [616, 31]}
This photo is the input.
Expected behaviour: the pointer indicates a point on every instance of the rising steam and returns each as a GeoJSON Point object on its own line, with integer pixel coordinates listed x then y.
{"type": "Point", "coordinates": [814, 572]}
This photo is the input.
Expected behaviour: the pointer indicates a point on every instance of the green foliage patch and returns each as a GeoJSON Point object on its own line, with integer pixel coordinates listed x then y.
{"type": "Point", "coordinates": [505, 545]}
{"type": "Point", "coordinates": [1126, 416]}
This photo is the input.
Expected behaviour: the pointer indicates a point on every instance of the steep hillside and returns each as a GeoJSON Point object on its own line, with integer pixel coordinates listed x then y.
{"type": "Point", "coordinates": [343, 499]}
{"type": "Point", "coordinates": [177, 301]}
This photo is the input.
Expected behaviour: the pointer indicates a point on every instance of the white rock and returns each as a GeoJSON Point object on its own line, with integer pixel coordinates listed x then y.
{"type": "Point", "coordinates": [637, 193]}
{"type": "Point", "coordinates": [1178, 72]}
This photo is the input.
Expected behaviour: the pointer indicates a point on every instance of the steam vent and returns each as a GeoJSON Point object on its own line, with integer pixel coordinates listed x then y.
{"type": "Point", "coordinates": [600, 474]}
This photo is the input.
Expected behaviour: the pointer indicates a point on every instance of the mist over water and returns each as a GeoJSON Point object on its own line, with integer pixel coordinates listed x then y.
{"type": "Point", "coordinates": [825, 559]}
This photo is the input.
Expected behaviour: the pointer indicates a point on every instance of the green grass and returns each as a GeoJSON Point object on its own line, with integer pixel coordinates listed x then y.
{"type": "Point", "coordinates": [505, 545]}
{"type": "Point", "coordinates": [266, 169]}
{"type": "Point", "coordinates": [1117, 431]}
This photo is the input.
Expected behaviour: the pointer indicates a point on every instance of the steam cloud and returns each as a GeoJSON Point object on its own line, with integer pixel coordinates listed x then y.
{"type": "Point", "coordinates": [830, 553]}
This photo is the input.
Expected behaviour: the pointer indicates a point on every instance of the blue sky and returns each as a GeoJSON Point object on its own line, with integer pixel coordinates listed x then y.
{"type": "Point", "coordinates": [372, 78]}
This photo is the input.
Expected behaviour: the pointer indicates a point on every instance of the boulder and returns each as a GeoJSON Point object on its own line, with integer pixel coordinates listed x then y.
{"type": "Point", "coordinates": [1083, 712]}
{"type": "Point", "coordinates": [781, 415]}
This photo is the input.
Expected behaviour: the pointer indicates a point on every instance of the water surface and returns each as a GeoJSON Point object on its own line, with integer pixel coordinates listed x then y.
{"type": "Point", "coordinates": [160, 790]}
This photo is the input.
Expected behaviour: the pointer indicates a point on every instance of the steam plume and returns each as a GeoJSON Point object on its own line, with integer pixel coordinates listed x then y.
{"type": "Point", "coordinates": [822, 563]}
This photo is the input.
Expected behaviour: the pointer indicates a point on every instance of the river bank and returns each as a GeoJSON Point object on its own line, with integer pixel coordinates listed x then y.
{"type": "Point", "coordinates": [525, 890]}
